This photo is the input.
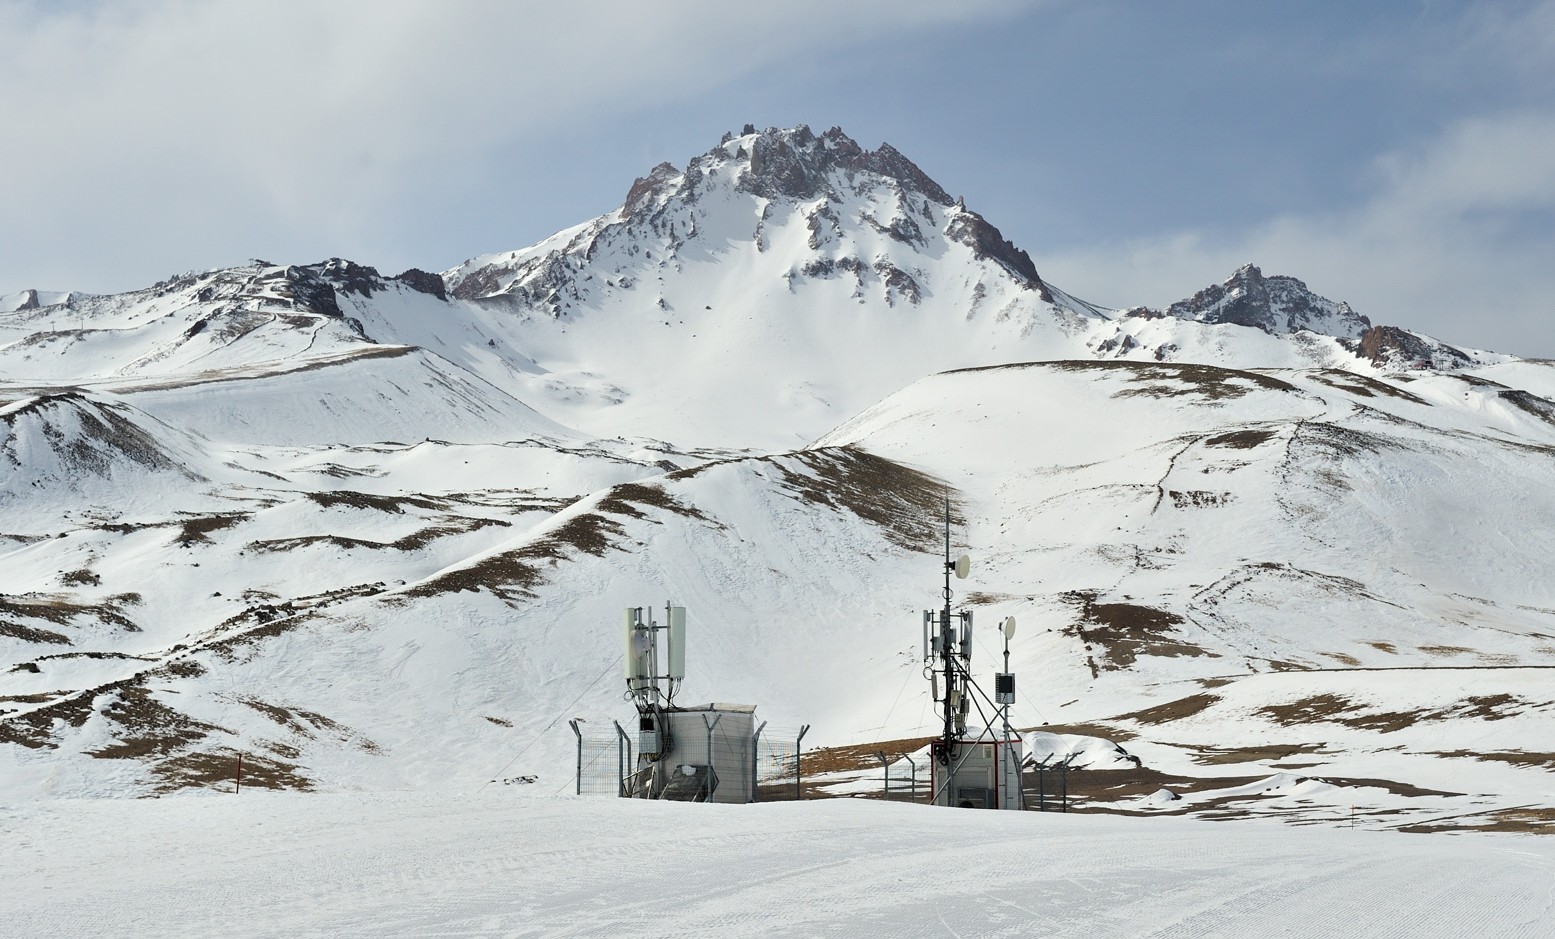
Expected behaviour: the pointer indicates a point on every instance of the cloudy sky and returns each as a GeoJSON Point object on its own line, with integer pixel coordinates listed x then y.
{"type": "Point", "coordinates": [1397, 155]}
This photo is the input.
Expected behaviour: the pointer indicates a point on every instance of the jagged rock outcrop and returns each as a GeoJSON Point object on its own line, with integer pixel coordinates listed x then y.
{"type": "Point", "coordinates": [799, 165]}
{"type": "Point", "coordinates": [844, 195]}
{"type": "Point", "coordinates": [986, 241]}
{"type": "Point", "coordinates": [424, 282]}
{"type": "Point", "coordinates": [1391, 346]}
{"type": "Point", "coordinates": [1276, 305]}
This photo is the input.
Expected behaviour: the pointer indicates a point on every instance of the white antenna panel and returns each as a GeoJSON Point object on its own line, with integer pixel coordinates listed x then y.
{"type": "Point", "coordinates": [637, 670]}
{"type": "Point", "coordinates": [678, 643]}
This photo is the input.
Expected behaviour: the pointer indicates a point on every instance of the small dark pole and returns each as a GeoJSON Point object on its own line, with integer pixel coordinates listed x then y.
{"type": "Point", "coordinates": [799, 764]}
{"type": "Point", "coordinates": [623, 757]}
{"type": "Point", "coordinates": [240, 775]}
{"type": "Point", "coordinates": [709, 781]}
{"type": "Point", "coordinates": [574, 725]}
{"type": "Point", "coordinates": [1063, 782]}
{"type": "Point", "coordinates": [756, 759]}
{"type": "Point", "coordinates": [913, 792]}
{"type": "Point", "coordinates": [885, 769]}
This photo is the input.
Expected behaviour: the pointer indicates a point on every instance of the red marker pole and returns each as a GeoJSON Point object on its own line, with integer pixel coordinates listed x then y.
{"type": "Point", "coordinates": [240, 775]}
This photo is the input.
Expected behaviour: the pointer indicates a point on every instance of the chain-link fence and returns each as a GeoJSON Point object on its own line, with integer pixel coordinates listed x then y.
{"type": "Point", "coordinates": [907, 778]}
{"type": "Point", "coordinates": [764, 766]}
{"type": "Point", "coordinates": [1046, 788]}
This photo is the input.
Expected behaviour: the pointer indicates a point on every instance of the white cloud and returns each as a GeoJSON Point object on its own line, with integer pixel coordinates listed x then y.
{"type": "Point", "coordinates": [1456, 240]}
{"type": "Point", "coordinates": [140, 126]}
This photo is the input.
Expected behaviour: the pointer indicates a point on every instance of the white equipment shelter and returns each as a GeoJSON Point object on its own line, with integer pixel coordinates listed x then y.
{"type": "Point", "coordinates": [687, 754]}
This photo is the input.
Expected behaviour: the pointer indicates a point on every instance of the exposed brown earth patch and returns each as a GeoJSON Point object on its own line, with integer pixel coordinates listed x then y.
{"type": "Point", "coordinates": [1531, 820]}
{"type": "Point", "coordinates": [514, 575]}
{"type": "Point", "coordinates": [414, 541]}
{"type": "Point", "coordinates": [861, 756]}
{"type": "Point", "coordinates": [1207, 381]}
{"type": "Point", "coordinates": [309, 724]}
{"type": "Point", "coordinates": [1217, 756]}
{"type": "Point", "coordinates": [1240, 439]}
{"type": "Point", "coordinates": [1125, 631]}
{"type": "Point", "coordinates": [218, 769]}
{"type": "Point", "coordinates": [1104, 731]}
{"type": "Point", "coordinates": [1510, 757]}
{"type": "Point", "coordinates": [1308, 710]}
{"type": "Point", "coordinates": [82, 577]}
{"type": "Point", "coordinates": [982, 598]}
{"type": "Point", "coordinates": [906, 504]}
{"type": "Point", "coordinates": [195, 531]}
{"type": "Point", "coordinates": [149, 727]}
{"type": "Point", "coordinates": [1331, 708]}
{"type": "Point", "coordinates": [1364, 386]}
{"type": "Point", "coordinates": [1172, 710]}
{"type": "Point", "coordinates": [1198, 499]}
{"type": "Point", "coordinates": [17, 610]}
{"type": "Point", "coordinates": [362, 500]}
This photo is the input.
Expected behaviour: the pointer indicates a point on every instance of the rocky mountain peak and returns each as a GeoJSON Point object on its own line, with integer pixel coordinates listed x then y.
{"type": "Point", "coordinates": [796, 163]}
{"type": "Point", "coordinates": [791, 163]}
{"type": "Point", "coordinates": [846, 196]}
{"type": "Point", "coordinates": [1275, 304]}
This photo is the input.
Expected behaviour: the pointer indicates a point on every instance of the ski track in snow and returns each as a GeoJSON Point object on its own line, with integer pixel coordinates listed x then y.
{"type": "Point", "coordinates": [399, 864]}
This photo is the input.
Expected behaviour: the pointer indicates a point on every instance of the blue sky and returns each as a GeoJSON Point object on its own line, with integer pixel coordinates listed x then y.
{"type": "Point", "coordinates": [1400, 156]}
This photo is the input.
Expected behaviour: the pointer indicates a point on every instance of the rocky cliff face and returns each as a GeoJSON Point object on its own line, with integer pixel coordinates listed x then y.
{"type": "Point", "coordinates": [741, 193]}
{"type": "Point", "coordinates": [1389, 346]}
{"type": "Point", "coordinates": [1276, 305]}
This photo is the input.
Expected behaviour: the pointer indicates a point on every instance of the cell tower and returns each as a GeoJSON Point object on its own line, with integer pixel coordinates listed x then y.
{"type": "Point", "coordinates": [981, 771]}
{"type": "Point", "coordinates": [694, 754]}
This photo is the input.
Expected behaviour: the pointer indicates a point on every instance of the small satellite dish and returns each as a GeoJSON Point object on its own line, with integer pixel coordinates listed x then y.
{"type": "Point", "coordinates": [963, 567]}
{"type": "Point", "coordinates": [1009, 627]}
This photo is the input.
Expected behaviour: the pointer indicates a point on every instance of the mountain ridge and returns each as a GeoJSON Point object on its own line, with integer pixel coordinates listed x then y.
{"type": "Point", "coordinates": [374, 532]}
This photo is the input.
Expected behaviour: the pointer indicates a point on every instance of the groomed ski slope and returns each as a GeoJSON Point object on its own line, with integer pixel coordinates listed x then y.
{"type": "Point", "coordinates": [498, 863]}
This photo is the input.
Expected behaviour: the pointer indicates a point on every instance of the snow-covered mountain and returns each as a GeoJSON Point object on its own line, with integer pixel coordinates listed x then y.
{"type": "Point", "coordinates": [374, 531]}
{"type": "Point", "coordinates": [1272, 304]}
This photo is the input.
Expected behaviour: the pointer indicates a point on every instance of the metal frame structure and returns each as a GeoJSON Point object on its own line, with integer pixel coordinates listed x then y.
{"type": "Point", "coordinates": [947, 654]}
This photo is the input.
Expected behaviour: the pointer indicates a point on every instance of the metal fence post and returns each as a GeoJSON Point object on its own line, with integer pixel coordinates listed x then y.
{"type": "Point", "coordinates": [1063, 781]}
{"type": "Point", "coordinates": [1042, 783]}
{"type": "Point", "coordinates": [799, 764]}
{"type": "Point", "coordinates": [709, 779]}
{"type": "Point", "coordinates": [756, 759]}
{"type": "Point", "coordinates": [574, 725]}
{"type": "Point", "coordinates": [886, 772]}
{"type": "Point", "coordinates": [913, 792]}
{"type": "Point", "coordinates": [623, 745]}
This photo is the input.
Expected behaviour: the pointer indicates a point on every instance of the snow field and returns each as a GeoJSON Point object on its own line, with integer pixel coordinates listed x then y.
{"type": "Point", "coordinates": [499, 864]}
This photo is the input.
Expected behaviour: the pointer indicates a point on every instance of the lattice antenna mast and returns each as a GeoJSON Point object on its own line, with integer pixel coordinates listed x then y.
{"type": "Point", "coordinates": [947, 652]}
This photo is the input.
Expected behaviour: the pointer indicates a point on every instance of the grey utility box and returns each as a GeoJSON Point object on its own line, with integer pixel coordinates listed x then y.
{"type": "Point", "coordinates": [712, 754]}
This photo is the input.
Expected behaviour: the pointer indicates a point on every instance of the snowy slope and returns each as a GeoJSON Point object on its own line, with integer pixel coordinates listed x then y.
{"type": "Point", "coordinates": [374, 532]}
{"type": "Point", "coordinates": [773, 287]}
{"type": "Point", "coordinates": [398, 864]}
